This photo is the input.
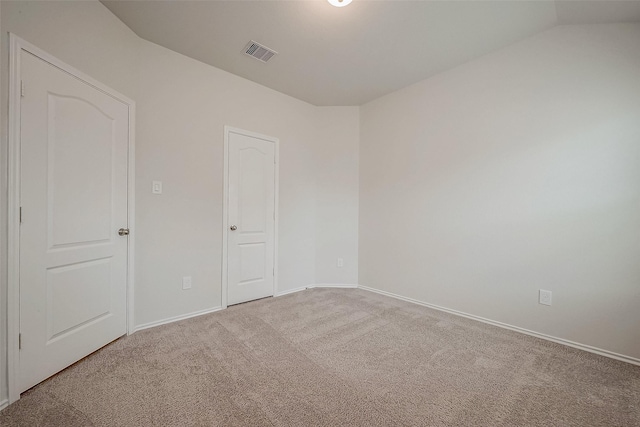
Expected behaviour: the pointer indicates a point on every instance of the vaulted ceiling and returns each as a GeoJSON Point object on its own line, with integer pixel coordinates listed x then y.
{"type": "Point", "coordinates": [354, 54]}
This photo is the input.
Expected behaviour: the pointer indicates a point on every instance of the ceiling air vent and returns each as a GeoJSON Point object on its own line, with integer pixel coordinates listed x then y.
{"type": "Point", "coordinates": [259, 52]}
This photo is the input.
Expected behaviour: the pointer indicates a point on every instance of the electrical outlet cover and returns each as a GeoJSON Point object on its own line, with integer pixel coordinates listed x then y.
{"type": "Point", "coordinates": [544, 297]}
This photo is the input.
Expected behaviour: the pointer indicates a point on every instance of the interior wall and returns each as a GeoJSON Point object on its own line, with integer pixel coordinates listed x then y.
{"type": "Point", "coordinates": [337, 195]}
{"type": "Point", "coordinates": [183, 106]}
{"type": "Point", "coordinates": [515, 172]}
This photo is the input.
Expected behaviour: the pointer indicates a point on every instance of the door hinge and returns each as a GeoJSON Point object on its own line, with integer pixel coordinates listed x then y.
{"type": "Point", "coordinates": [20, 214]}
{"type": "Point", "coordinates": [19, 341]}
{"type": "Point", "coordinates": [273, 272]}
{"type": "Point", "coordinates": [22, 90]}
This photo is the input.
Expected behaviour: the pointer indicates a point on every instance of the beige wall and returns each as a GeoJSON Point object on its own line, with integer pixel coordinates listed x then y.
{"type": "Point", "coordinates": [337, 195]}
{"type": "Point", "coordinates": [181, 107]}
{"type": "Point", "coordinates": [516, 172]}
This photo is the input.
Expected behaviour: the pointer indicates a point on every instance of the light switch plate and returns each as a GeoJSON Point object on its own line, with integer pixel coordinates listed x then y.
{"type": "Point", "coordinates": [156, 187]}
{"type": "Point", "coordinates": [186, 282]}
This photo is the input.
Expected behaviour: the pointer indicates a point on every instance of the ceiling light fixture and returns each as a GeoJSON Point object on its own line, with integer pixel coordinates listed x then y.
{"type": "Point", "coordinates": [339, 3]}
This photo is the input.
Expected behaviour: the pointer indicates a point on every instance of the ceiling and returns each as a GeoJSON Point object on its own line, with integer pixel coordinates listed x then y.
{"type": "Point", "coordinates": [354, 54]}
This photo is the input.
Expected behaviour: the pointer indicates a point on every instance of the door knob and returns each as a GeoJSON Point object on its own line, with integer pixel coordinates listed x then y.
{"type": "Point", "coordinates": [233, 228]}
{"type": "Point", "coordinates": [123, 232]}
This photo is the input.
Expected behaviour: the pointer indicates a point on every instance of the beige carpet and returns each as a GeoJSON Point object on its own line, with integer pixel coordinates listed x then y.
{"type": "Point", "coordinates": [333, 357]}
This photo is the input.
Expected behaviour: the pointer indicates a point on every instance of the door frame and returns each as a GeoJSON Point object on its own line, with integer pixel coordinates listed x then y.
{"type": "Point", "coordinates": [16, 46]}
{"type": "Point", "coordinates": [225, 206]}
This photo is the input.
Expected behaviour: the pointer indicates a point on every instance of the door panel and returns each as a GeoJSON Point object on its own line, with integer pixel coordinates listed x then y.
{"type": "Point", "coordinates": [250, 257]}
{"type": "Point", "coordinates": [73, 265]}
{"type": "Point", "coordinates": [252, 262]}
{"type": "Point", "coordinates": [71, 222]}
{"type": "Point", "coordinates": [77, 294]}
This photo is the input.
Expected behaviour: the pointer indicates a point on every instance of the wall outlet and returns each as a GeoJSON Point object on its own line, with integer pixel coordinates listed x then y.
{"type": "Point", "coordinates": [340, 262]}
{"type": "Point", "coordinates": [545, 297]}
{"type": "Point", "coordinates": [186, 282]}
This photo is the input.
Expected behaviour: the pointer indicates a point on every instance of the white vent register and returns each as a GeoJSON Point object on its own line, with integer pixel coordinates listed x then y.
{"type": "Point", "coordinates": [259, 51]}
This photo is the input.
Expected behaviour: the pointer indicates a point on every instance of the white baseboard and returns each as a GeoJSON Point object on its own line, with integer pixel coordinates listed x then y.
{"type": "Point", "coordinates": [333, 285]}
{"type": "Point", "coordinates": [4, 404]}
{"type": "Point", "coordinates": [316, 285]}
{"type": "Point", "coordinates": [292, 291]}
{"type": "Point", "coordinates": [579, 346]}
{"type": "Point", "coordinates": [176, 318]}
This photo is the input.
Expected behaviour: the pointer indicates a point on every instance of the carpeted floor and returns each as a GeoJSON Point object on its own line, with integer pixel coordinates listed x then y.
{"type": "Point", "coordinates": [333, 357]}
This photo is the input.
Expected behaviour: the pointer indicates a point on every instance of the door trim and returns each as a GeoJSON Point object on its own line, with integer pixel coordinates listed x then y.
{"type": "Point", "coordinates": [225, 206]}
{"type": "Point", "coordinates": [16, 46]}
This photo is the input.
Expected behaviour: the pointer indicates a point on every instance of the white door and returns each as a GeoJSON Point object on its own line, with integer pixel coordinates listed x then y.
{"type": "Point", "coordinates": [73, 198]}
{"type": "Point", "coordinates": [251, 217]}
